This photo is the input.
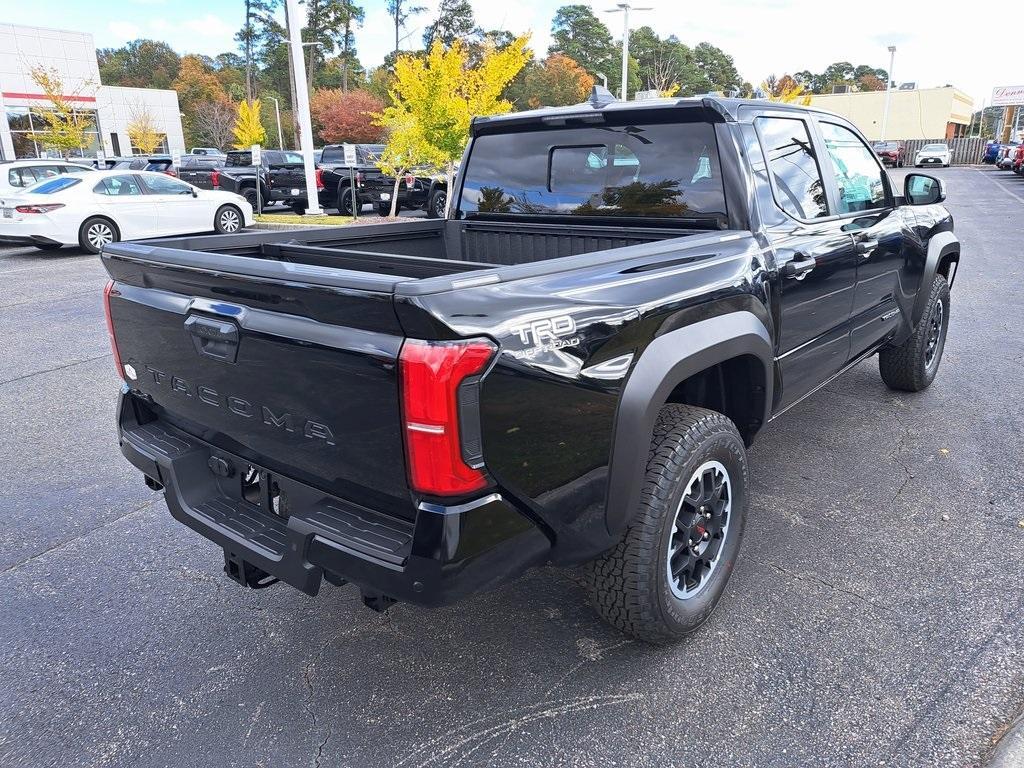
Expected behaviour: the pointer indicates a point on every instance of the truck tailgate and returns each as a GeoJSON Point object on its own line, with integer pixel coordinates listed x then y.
{"type": "Point", "coordinates": [298, 375]}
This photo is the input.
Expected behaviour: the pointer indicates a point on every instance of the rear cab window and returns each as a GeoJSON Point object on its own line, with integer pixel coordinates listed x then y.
{"type": "Point", "coordinates": [797, 183]}
{"type": "Point", "coordinates": [54, 185]}
{"type": "Point", "coordinates": [652, 171]}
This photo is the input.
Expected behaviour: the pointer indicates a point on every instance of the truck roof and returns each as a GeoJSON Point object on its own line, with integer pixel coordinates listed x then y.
{"type": "Point", "coordinates": [718, 109]}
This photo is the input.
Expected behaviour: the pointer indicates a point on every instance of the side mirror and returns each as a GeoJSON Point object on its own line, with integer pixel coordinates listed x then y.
{"type": "Point", "coordinates": [919, 189]}
{"type": "Point", "coordinates": [195, 193]}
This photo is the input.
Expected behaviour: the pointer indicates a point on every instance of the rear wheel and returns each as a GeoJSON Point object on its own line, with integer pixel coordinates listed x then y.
{"type": "Point", "coordinates": [912, 366]}
{"type": "Point", "coordinates": [299, 209]}
{"type": "Point", "coordinates": [665, 577]}
{"type": "Point", "coordinates": [384, 209]}
{"type": "Point", "coordinates": [97, 232]}
{"type": "Point", "coordinates": [437, 204]}
{"type": "Point", "coordinates": [228, 220]}
{"type": "Point", "coordinates": [345, 202]}
{"type": "Point", "coordinates": [249, 193]}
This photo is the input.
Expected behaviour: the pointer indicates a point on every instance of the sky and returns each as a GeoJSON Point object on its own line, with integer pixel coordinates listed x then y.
{"type": "Point", "coordinates": [935, 43]}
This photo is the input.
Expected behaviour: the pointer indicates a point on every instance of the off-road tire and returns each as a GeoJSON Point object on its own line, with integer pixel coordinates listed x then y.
{"type": "Point", "coordinates": [629, 585]}
{"type": "Point", "coordinates": [345, 201]}
{"type": "Point", "coordinates": [436, 204]}
{"type": "Point", "coordinates": [906, 367]}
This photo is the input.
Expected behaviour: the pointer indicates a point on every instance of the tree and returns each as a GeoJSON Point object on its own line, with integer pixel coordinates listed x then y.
{"type": "Point", "coordinates": [248, 129]}
{"type": "Point", "coordinates": [139, 64]}
{"type": "Point", "coordinates": [716, 68]}
{"type": "Point", "coordinates": [435, 97]}
{"type": "Point", "coordinates": [65, 128]}
{"type": "Point", "coordinates": [195, 84]}
{"type": "Point", "coordinates": [454, 22]}
{"type": "Point", "coordinates": [870, 82]}
{"type": "Point", "coordinates": [352, 16]}
{"type": "Point", "coordinates": [401, 11]}
{"type": "Point", "coordinates": [843, 73]}
{"type": "Point", "coordinates": [557, 82]}
{"type": "Point", "coordinates": [212, 123]}
{"type": "Point", "coordinates": [346, 117]}
{"type": "Point", "coordinates": [580, 35]}
{"type": "Point", "coordinates": [142, 132]}
{"type": "Point", "coordinates": [787, 91]}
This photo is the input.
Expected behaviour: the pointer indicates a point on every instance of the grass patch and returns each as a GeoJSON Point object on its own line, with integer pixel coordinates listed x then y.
{"type": "Point", "coordinates": [294, 218]}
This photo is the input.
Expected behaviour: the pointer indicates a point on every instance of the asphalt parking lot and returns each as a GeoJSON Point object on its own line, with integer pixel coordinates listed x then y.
{"type": "Point", "coordinates": [875, 616]}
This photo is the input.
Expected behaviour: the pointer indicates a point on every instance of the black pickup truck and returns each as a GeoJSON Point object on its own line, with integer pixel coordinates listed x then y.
{"type": "Point", "coordinates": [281, 178]}
{"type": "Point", "coordinates": [566, 370]}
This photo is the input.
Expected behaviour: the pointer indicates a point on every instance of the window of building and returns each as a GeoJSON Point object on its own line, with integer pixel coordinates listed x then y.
{"type": "Point", "coordinates": [27, 123]}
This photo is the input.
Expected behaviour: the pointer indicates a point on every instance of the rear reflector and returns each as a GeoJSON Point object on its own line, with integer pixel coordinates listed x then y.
{"type": "Point", "coordinates": [441, 416]}
{"type": "Point", "coordinates": [107, 292]}
{"type": "Point", "coordinates": [319, 178]}
{"type": "Point", "coordinates": [215, 179]}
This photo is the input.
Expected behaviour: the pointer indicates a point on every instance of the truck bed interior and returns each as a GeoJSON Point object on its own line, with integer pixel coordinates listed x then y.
{"type": "Point", "coordinates": [422, 249]}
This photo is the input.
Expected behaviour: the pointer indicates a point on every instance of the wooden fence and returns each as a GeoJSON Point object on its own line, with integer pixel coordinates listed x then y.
{"type": "Point", "coordinates": [965, 151]}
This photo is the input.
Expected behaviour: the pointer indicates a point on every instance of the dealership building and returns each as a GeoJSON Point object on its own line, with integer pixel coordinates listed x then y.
{"type": "Point", "coordinates": [914, 113]}
{"type": "Point", "coordinates": [106, 110]}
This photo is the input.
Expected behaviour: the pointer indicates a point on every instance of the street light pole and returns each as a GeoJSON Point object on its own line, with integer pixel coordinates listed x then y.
{"type": "Point", "coordinates": [302, 103]}
{"type": "Point", "coordinates": [624, 9]}
{"type": "Point", "coordinates": [888, 91]}
{"type": "Point", "coordinates": [277, 114]}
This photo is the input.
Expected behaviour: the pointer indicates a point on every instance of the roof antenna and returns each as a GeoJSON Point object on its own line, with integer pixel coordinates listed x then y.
{"type": "Point", "coordinates": [601, 97]}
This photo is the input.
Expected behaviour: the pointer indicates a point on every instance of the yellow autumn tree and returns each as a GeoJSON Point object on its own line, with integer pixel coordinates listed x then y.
{"type": "Point", "coordinates": [434, 98]}
{"type": "Point", "coordinates": [142, 132]}
{"type": "Point", "coordinates": [787, 90]}
{"type": "Point", "coordinates": [248, 129]}
{"type": "Point", "coordinates": [65, 128]}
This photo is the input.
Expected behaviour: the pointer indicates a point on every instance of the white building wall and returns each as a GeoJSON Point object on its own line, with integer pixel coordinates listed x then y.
{"type": "Point", "coordinates": [73, 56]}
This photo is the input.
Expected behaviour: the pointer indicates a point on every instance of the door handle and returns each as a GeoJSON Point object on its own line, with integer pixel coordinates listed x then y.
{"type": "Point", "coordinates": [798, 266]}
{"type": "Point", "coordinates": [213, 338]}
{"type": "Point", "coordinates": [865, 247]}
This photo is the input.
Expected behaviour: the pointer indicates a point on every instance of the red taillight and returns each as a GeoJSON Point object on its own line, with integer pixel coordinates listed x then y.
{"type": "Point", "coordinates": [107, 291]}
{"type": "Point", "coordinates": [438, 385]}
{"type": "Point", "coordinates": [46, 208]}
{"type": "Point", "coordinates": [215, 179]}
{"type": "Point", "coordinates": [319, 178]}
{"type": "Point", "coordinates": [409, 180]}
{"type": "Point", "coordinates": [170, 172]}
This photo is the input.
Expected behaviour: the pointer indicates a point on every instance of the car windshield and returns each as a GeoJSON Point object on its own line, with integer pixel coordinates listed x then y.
{"type": "Point", "coordinates": [50, 186]}
{"type": "Point", "coordinates": [935, 148]}
{"type": "Point", "coordinates": [646, 170]}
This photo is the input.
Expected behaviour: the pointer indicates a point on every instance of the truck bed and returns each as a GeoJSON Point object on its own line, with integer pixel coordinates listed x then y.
{"type": "Point", "coordinates": [414, 250]}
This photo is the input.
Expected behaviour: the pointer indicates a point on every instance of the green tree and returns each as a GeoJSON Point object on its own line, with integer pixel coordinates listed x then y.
{"type": "Point", "coordinates": [716, 68]}
{"type": "Point", "coordinates": [454, 22]}
{"type": "Point", "coordinates": [139, 64]}
{"type": "Point", "coordinates": [577, 33]}
{"type": "Point", "coordinates": [401, 11]}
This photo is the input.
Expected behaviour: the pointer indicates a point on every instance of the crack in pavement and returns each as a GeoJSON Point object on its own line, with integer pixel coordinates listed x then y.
{"type": "Point", "coordinates": [62, 544]}
{"type": "Point", "coordinates": [55, 368]}
{"type": "Point", "coordinates": [895, 456]}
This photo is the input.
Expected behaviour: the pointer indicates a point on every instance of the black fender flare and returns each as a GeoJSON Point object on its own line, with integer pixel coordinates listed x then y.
{"type": "Point", "coordinates": [941, 245]}
{"type": "Point", "coordinates": [666, 362]}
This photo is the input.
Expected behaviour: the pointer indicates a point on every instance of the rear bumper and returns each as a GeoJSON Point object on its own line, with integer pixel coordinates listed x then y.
{"type": "Point", "coordinates": [447, 553]}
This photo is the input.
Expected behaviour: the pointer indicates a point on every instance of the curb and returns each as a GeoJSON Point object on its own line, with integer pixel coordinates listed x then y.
{"type": "Point", "coordinates": [1009, 751]}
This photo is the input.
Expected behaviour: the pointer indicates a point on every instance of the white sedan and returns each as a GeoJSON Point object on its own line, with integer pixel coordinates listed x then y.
{"type": "Point", "coordinates": [100, 207]}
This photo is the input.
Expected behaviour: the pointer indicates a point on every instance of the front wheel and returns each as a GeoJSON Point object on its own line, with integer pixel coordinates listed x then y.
{"type": "Point", "coordinates": [299, 209]}
{"type": "Point", "coordinates": [912, 366]}
{"type": "Point", "coordinates": [437, 204]}
{"type": "Point", "coordinates": [665, 577]}
{"type": "Point", "coordinates": [97, 232]}
{"type": "Point", "coordinates": [228, 220]}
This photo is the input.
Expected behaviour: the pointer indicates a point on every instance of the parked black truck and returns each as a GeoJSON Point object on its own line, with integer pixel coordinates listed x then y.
{"type": "Point", "coordinates": [567, 370]}
{"type": "Point", "coordinates": [281, 178]}
{"type": "Point", "coordinates": [415, 191]}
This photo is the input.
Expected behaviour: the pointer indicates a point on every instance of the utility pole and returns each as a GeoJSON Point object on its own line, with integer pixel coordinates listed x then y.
{"type": "Point", "coordinates": [302, 102]}
{"type": "Point", "coordinates": [888, 92]}
{"type": "Point", "coordinates": [277, 114]}
{"type": "Point", "coordinates": [624, 9]}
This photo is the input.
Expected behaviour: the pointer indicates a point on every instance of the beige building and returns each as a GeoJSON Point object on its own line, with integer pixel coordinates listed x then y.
{"type": "Point", "coordinates": [925, 113]}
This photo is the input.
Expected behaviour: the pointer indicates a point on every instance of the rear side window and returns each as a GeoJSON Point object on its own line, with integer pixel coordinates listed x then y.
{"type": "Point", "coordinates": [646, 170]}
{"type": "Point", "coordinates": [238, 159]}
{"type": "Point", "coordinates": [798, 186]}
{"type": "Point", "coordinates": [118, 185]}
{"type": "Point", "coordinates": [54, 185]}
{"type": "Point", "coordinates": [21, 177]}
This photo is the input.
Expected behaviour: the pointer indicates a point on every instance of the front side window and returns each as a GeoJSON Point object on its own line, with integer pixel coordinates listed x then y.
{"type": "Point", "coordinates": [858, 176]}
{"type": "Point", "coordinates": [799, 188]}
{"type": "Point", "coordinates": [645, 170]}
{"type": "Point", "coordinates": [118, 186]}
{"type": "Point", "coordinates": [165, 185]}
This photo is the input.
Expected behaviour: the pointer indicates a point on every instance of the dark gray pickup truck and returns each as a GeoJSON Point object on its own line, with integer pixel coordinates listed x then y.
{"type": "Point", "coordinates": [567, 370]}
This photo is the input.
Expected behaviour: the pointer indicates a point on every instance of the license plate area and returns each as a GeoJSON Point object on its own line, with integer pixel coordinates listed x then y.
{"type": "Point", "coordinates": [8, 213]}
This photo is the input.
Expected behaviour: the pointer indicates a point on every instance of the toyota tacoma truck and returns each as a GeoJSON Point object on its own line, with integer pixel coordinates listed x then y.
{"type": "Point", "coordinates": [566, 370]}
{"type": "Point", "coordinates": [279, 179]}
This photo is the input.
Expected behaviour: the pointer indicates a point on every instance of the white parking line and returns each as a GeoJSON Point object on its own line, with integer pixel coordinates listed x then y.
{"type": "Point", "coordinates": [1003, 187]}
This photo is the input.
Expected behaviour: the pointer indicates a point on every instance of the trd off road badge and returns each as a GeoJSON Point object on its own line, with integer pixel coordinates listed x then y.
{"type": "Point", "coordinates": [545, 335]}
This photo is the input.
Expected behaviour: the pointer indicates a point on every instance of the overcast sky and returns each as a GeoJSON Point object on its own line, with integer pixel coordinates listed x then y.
{"type": "Point", "coordinates": [935, 43]}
